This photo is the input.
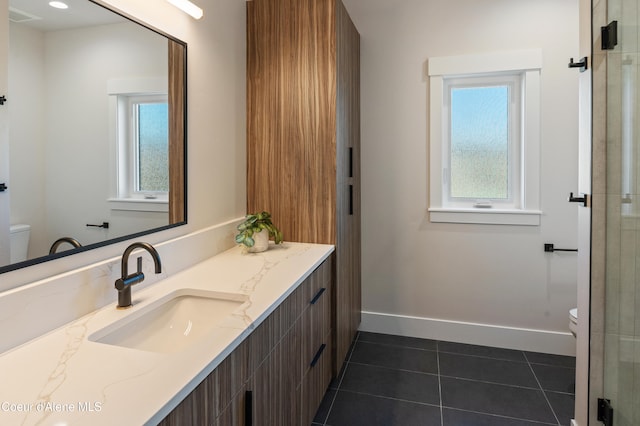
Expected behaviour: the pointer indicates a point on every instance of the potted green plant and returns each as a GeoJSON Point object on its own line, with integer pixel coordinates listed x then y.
{"type": "Point", "coordinates": [256, 230]}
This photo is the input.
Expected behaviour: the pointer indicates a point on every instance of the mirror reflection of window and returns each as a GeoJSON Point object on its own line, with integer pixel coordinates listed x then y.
{"type": "Point", "coordinates": [143, 142]}
{"type": "Point", "coordinates": [152, 148]}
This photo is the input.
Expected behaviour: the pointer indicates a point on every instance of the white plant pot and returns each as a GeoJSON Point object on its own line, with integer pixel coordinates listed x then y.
{"type": "Point", "coordinates": [261, 242]}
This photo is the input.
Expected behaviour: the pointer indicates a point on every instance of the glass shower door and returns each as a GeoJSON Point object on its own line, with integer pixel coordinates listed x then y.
{"type": "Point", "coordinates": [622, 308]}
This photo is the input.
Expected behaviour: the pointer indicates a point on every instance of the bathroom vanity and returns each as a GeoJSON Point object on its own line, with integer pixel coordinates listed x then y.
{"type": "Point", "coordinates": [279, 374]}
{"type": "Point", "coordinates": [267, 357]}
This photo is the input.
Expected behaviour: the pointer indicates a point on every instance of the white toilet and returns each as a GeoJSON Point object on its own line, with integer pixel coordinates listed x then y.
{"type": "Point", "coordinates": [573, 321]}
{"type": "Point", "coordinates": [19, 242]}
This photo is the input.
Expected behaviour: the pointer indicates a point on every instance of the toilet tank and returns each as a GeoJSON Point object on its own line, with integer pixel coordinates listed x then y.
{"type": "Point", "coordinates": [19, 242]}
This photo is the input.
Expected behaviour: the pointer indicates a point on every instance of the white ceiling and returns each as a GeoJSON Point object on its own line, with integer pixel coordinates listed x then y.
{"type": "Point", "coordinates": [81, 13]}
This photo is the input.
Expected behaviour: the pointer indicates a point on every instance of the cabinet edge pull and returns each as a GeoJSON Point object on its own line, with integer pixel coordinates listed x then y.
{"type": "Point", "coordinates": [317, 296]}
{"type": "Point", "coordinates": [248, 408]}
{"type": "Point", "coordinates": [350, 200]}
{"type": "Point", "coordinates": [316, 358]}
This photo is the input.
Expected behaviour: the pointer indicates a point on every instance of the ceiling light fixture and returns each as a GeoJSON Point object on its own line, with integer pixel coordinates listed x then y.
{"type": "Point", "coordinates": [58, 5]}
{"type": "Point", "coordinates": [187, 7]}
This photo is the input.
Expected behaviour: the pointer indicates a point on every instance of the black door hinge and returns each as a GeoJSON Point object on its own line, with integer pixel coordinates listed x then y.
{"type": "Point", "coordinates": [609, 36]}
{"type": "Point", "coordinates": [605, 412]}
{"type": "Point", "coordinates": [3, 187]}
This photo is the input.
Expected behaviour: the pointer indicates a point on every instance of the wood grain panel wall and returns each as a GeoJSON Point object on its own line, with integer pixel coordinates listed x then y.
{"type": "Point", "coordinates": [303, 121]}
{"type": "Point", "coordinates": [291, 139]}
{"type": "Point", "coordinates": [176, 97]}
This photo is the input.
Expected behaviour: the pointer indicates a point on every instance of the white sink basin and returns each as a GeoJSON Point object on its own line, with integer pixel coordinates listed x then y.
{"type": "Point", "coordinates": [173, 322]}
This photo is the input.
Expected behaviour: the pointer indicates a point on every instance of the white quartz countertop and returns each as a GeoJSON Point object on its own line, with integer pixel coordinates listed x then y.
{"type": "Point", "coordinates": [63, 378]}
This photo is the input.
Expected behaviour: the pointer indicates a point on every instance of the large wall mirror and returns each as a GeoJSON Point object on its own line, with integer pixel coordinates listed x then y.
{"type": "Point", "coordinates": [97, 145]}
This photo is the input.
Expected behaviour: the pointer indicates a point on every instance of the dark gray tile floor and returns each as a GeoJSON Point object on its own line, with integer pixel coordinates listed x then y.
{"type": "Point", "coordinates": [393, 380]}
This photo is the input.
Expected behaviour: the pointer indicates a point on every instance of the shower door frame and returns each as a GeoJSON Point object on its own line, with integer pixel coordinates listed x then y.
{"type": "Point", "coordinates": [4, 134]}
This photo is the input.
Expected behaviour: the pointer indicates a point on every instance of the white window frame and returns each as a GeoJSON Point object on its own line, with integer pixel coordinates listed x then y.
{"type": "Point", "coordinates": [524, 209]}
{"type": "Point", "coordinates": [128, 181]}
{"type": "Point", "coordinates": [514, 83]}
{"type": "Point", "coordinates": [123, 95]}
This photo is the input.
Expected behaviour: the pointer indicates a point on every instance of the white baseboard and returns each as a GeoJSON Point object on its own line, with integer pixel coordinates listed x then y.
{"type": "Point", "coordinates": [551, 342]}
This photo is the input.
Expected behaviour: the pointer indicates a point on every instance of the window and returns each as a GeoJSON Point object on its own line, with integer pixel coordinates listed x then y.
{"type": "Point", "coordinates": [484, 138]}
{"type": "Point", "coordinates": [143, 144]}
{"type": "Point", "coordinates": [140, 134]}
{"type": "Point", "coordinates": [483, 141]}
{"type": "Point", "coordinates": [149, 143]}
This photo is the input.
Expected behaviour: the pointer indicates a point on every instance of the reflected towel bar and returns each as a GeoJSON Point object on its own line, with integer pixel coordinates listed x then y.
{"type": "Point", "coordinates": [550, 248]}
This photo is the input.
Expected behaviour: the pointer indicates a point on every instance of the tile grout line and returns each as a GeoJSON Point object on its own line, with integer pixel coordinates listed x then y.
{"type": "Point", "coordinates": [391, 398]}
{"type": "Point", "coordinates": [501, 416]}
{"type": "Point", "coordinates": [542, 390]}
{"type": "Point", "coordinates": [452, 352]}
{"type": "Point", "coordinates": [346, 365]}
{"type": "Point", "coordinates": [439, 383]}
{"type": "Point", "coordinates": [439, 373]}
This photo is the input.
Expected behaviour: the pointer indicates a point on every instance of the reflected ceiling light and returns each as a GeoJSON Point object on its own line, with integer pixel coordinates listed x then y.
{"type": "Point", "coordinates": [58, 5]}
{"type": "Point", "coordinates": [187, 7]}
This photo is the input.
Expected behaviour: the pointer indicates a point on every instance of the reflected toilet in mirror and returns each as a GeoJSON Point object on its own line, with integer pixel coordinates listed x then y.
{"type": "Point", "coordinates": [19, 242]}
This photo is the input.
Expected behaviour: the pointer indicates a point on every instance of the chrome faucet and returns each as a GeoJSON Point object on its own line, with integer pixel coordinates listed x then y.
{"type": "Point", "coordinates": [59, 241]}
{"type": "Point", "coordinates": [123, 285]}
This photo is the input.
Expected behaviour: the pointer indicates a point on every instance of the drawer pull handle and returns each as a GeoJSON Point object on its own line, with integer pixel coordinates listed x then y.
{"type": "Point", "coordinates": [318, 355]}
{"type": "Point", "coordinates": [248, 408]}
{"type": "Point", "coordinates": [350, 200]}
{"type": "Point", "coordinates": [317, 296]}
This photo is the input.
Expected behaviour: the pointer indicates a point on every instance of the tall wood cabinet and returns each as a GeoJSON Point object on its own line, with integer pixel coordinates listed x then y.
{"type": "Point", "coordinates": [303, 135]}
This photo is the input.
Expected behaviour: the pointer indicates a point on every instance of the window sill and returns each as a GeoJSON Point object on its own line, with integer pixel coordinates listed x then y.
{"type": "Point", "coordinates": [140, 205]}
{"type": "Point", "coordinates": [486, 216]}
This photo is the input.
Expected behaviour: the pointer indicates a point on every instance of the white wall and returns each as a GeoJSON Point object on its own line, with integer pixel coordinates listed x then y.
{"type": "Point", "coordinates": [216, 124]}
{"type": "Point", "coordinates": [26, 132]}
{"type": "Point", "coordinates": [451, 281]}
{"type": "Point", "coordinates": [79, 64]}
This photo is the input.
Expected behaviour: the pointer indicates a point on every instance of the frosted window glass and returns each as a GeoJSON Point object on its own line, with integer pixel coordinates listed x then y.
{"type": "Point", "coordinates": [153, 147]}
{"type": "Point", "coordinates": [479, 166]}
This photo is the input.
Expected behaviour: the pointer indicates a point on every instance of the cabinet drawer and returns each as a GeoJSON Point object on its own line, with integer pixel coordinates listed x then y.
{"type": "Point", "coordinates": [316, 381]}
{"type": "Point", "coordinates": [321, 277]}
{"type": "Point", "coordinates": [316, 324]}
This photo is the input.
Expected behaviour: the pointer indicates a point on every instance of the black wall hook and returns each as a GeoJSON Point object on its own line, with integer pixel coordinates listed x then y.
{"type": "Point", "coordinates": [584, 199]}
{"type": "Point", "coordinates": [583, 64]}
